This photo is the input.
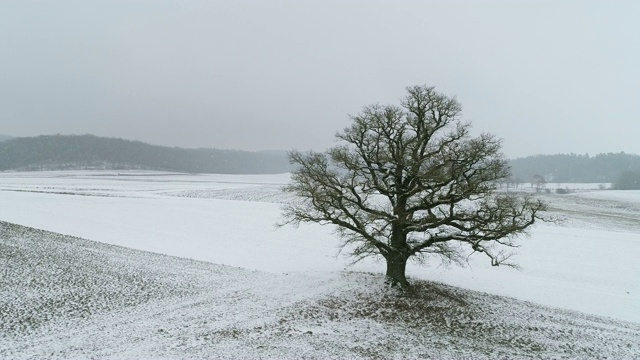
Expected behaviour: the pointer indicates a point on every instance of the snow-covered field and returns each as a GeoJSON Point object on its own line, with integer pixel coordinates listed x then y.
{"type": "Point", "coordinates": [587, 262]}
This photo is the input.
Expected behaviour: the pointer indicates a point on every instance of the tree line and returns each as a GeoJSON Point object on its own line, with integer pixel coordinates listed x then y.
{"type": "Point", "coordinates": [574, 168]}
{"type": "Point", "coordinates": [62, 152]}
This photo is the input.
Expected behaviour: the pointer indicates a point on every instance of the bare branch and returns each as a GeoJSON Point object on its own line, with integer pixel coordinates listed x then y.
{"type": "Point", "coordinates": [409, 181]}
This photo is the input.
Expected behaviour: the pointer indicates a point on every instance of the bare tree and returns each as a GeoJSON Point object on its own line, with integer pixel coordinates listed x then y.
{"type": "Point", "coordinates": [517, 181]}
{"type": "Point", "coordinates": [539, 182]}
{"type": "Point", "coordinates": [409, 182]}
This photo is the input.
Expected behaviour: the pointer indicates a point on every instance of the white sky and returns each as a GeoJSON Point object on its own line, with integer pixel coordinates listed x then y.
{"type": "Point", "coordinates": [546, 76]}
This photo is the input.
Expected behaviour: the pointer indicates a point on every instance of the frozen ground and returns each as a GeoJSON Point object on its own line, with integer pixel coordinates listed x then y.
{"type": "Point", "coordinates": [70, 298]}
{"type": "Point", "coordinates": [586, 262]}
{"type": "Point", "coordinates": [614, 210]}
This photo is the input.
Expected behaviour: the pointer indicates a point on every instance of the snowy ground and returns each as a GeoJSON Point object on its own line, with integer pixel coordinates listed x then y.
{"type": "Point", "coordinates": [65, 297]}
{"type": "Point", "coordinates": [586, 262]}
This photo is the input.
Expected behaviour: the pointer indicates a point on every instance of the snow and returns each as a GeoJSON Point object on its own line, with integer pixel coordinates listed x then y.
{"type": "Point", "coordinates": [576, 186]}
{"type": "Point", "coordinates": [70, 298]}
{"type": "Point", "coordinates": [632, 196]}
{"type": "Point", "coordinates": [287, 295]}
{"type": "Point", "coordinates": [174, 214]}
{"type": "Point", "coordinates": [229, 219]}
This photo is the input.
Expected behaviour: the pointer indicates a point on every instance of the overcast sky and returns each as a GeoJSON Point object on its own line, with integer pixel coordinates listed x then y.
{"type": "Point", "coordinates": [545, 76]}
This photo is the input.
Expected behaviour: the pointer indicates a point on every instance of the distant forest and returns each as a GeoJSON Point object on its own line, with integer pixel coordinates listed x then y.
{"type": "Point", "coordinates": [573, 168]}
{"type": "Point", "coordinates": [62, 152]}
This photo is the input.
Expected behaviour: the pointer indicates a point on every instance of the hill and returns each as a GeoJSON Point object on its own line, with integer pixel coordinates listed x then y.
{"type": "Point", "coordinates": [64, 152]}
{"type": "Point", "coordinates": [573, 168]}
{"type": "Point", "coordinates": [67, 297]}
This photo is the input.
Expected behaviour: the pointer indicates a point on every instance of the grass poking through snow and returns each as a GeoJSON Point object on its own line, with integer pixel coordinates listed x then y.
{"type": "Point", "coordinates": [66, 297]}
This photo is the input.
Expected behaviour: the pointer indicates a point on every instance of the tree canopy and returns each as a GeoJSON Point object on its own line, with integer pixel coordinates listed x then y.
{"type": "Point", "coordinates": [628, 180]}
{"type": "Point", "coordinates": [573, 168]}
{"type": "Point", "coordinates": [409, 181]}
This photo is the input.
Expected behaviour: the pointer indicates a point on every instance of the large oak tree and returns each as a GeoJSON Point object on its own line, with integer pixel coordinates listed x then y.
{"type": "Point", "coordinates": [409, 181]}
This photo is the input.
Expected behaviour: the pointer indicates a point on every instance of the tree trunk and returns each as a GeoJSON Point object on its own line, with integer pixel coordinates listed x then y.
{"type": "Point", "coordinates": [396, 266]}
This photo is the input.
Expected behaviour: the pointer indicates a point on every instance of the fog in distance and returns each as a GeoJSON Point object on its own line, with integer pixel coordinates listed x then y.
{"type": "Point", "coordinates": [546, 76]}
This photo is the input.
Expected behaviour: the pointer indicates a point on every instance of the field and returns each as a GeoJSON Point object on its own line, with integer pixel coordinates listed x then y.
{"type": "Point", "coordinates": [154, 265]}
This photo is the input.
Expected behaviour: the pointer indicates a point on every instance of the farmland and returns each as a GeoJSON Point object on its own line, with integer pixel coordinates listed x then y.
{"type": "Point", "coordinates": [150, 264]}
